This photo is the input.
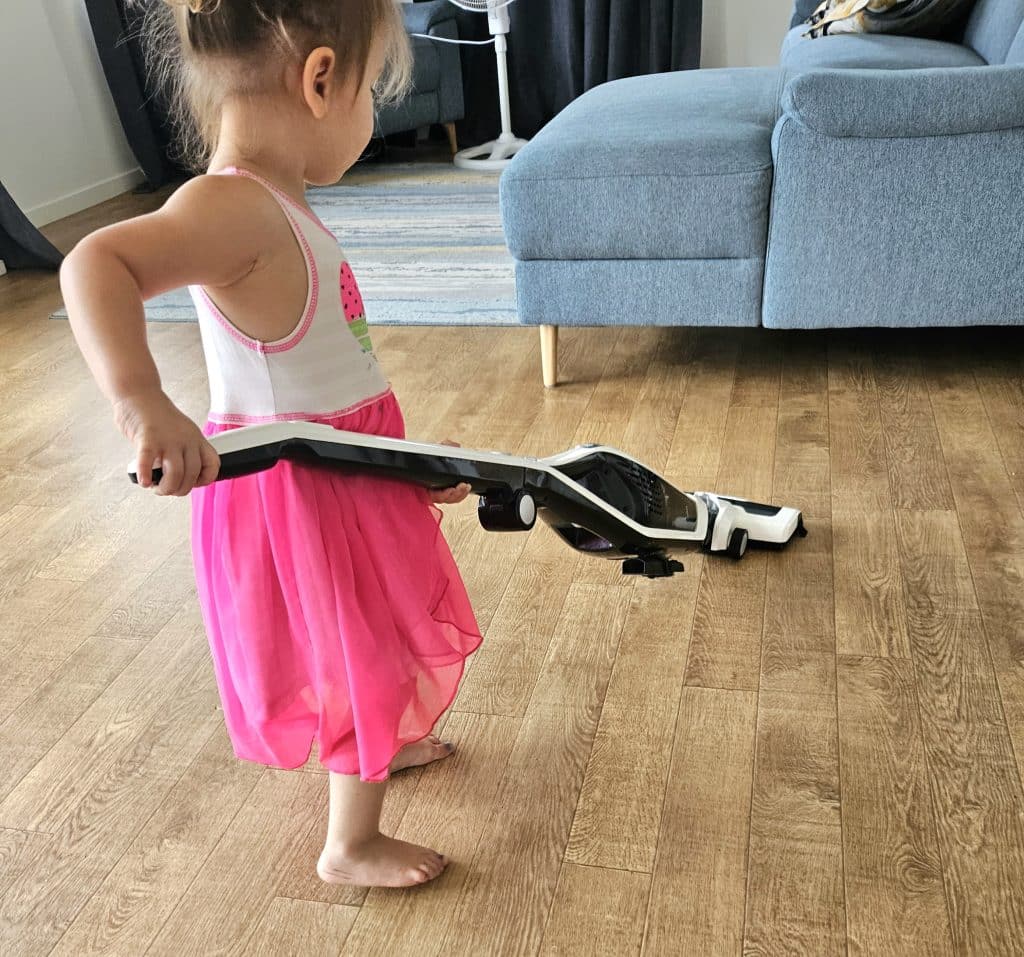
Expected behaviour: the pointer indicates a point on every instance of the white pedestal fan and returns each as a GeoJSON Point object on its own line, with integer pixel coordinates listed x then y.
{"type": "Point", "coordinates": [496, 154]}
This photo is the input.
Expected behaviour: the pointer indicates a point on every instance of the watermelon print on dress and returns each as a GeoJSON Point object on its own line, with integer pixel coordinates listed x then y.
{"type": "Point", "coordinates": [355, 312]}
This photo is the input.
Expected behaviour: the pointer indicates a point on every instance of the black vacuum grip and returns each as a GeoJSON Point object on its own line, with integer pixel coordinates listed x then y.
{"type": "Point", "coordinates": [158, 475]}
{"type": "Point", "coordinates": [232, 465]}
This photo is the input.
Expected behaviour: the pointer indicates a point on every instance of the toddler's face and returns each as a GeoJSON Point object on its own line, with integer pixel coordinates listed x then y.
{"type": "Point", "coordinates": [348, 126]}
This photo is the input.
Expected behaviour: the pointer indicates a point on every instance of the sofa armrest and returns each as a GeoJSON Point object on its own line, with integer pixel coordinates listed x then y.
{"type": "Point", "coordinates": [907, 103]}
{"type": "Point", "coordinates": [423, 17]}
{"type": "Point", "coordinates": [896, 200]}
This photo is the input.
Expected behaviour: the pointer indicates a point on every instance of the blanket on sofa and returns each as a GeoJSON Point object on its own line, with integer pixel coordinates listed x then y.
{"type": "Point", "coordinates": [919, 18]}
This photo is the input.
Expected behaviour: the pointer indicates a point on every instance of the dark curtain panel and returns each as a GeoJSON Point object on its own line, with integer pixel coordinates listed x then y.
{"type": "Point", "coordinates": [22, 246]}
{"type": "Point", "coordinates": [116, 27]}
{"type": "Point", "coordinates": [559, 49]}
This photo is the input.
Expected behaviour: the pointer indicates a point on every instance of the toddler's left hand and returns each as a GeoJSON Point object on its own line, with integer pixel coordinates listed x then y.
{"type": "Point", "coordinates": [450, 496]}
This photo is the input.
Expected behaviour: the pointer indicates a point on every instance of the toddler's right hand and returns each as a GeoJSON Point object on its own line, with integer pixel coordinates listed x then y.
{"type": "Point", "coordinates": [166, 438]}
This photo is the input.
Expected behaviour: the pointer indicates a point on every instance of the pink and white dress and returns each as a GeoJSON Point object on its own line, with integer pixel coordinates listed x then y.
{"type": "Point", "coordinates": [334, 609]}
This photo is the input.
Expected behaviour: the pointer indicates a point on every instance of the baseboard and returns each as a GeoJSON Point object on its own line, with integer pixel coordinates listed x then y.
{"type": "Point", "coordinates": [84, 198]}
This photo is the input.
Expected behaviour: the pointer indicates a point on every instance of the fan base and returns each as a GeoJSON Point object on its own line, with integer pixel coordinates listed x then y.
{"type": "Point", "coordinates": [490, 157]}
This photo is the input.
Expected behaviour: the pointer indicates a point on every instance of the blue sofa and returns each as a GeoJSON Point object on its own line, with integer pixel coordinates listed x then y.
{"type": "Point", "coordinates": [866, 181]}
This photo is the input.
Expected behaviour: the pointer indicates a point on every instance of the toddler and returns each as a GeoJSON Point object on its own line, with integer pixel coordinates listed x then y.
{"type": "Point", "coordinates": [334, 610]}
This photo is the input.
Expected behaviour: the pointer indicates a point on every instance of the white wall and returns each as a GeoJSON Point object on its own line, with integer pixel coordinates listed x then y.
{"type": "Point", "coordinates": [744, 32]}
{"type": "Point", "coordinates": [61, 146]}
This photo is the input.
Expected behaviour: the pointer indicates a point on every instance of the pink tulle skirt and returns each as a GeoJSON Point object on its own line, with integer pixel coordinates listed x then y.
{"type": "Point", "coordinates": [334, 609]}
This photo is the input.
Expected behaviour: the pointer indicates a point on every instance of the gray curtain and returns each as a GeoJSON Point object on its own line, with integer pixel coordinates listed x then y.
{"type": "Point", "coordinates": [22, 246]}
{"type": "Point", "coordinates": [117, 28]}
{"type": "Point", "coordinates": [559, 49]}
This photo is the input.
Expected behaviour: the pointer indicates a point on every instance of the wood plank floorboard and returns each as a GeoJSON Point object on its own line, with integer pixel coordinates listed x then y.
{"type": "Point", "coordinates": [47, 714]}
{"type": "Point", "coordinates": [976, 787]}
{"type": "Point", "coordinates": [814, 751]}
{"type": "Point", "coordinates": [794, 899]}
{"type": "Point", "coordinates": [134, 900]}
{"type": "Point", "coordinates": [620, 807]}
{"type": "Point", "coordinates": [1000, 378]}
{"type": "Point", "coordinates": [294, 928]}
{"type": "Point", "coordinates": [725, 648]}
{"type": "Point", "coordinates": [596, 911]}
{"type": "Point", "coordinates": [895, 903]}
{"type": "Point", "coordinates": [698, 893]}
{"type": "Point", "coordinates": [869, 599]}
{"type": "Point", "coordinates": [514, 872]}
{"type": "Point", "coordinates": [799, 638]}
{"type": "Point", "coordinates": [236, 885]}
{"type": "Point", "coordinates": [991, 523]}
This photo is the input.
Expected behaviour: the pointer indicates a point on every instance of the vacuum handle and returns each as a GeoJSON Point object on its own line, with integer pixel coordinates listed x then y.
{"type": "Point", "coordinates": [433, 470]}
{"type": "Point", "coordinates": [157, 474]}
{"type": "Point", "coordinates": [232, 465]}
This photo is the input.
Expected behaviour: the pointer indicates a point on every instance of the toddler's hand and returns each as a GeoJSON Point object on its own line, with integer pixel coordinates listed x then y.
{"type": "Point", "coordinates": [451, 496]}
{"type": "Point", "coordinates": [165, 438]}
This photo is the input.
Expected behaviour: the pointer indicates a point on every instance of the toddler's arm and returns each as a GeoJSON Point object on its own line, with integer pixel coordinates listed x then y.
{"type": "Point", "coordinates": [207, 235]}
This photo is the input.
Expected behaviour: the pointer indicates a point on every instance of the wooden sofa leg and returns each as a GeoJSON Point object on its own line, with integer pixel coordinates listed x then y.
{"type": "Point", "coordinates": [549, 355]}
{"type": "Point", "coordinates": [453, 139]}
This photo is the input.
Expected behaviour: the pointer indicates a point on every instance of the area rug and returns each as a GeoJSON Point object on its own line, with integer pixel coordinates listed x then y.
{"type": "Point", "coordinates": [423, 239]}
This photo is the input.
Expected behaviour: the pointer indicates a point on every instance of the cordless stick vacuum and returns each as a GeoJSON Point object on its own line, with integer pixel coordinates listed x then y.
{"type": "Point", "coordinates": [598, 500]}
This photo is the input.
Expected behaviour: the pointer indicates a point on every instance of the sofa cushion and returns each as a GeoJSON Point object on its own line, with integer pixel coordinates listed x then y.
{"type": "Point", "coordinates": [993, 26]}
{"type": "Point", "coordinates": [672, 166]}
{"type": "Point", "coordinates": [872, 51]}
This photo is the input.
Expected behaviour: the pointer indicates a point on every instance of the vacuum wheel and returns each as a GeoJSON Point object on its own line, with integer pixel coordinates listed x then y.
{"type": "Point", "coordinates": [738, 542]}
{"type": "Point", "coordinates": [507, 513]}
{"type": "Point", "coordinates": [526, 509]}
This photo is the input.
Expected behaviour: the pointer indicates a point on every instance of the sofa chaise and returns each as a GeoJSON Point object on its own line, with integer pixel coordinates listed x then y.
{"type": "Point", "coordinates": [866, 181]}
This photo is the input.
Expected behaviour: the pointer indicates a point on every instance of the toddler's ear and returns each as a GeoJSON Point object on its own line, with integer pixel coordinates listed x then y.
{"type": "Point", "coordinates": [318, 80]}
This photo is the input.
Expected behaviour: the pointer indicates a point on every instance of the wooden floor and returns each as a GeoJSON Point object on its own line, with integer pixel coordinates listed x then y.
{"type": "Point", "coordinates": [814, 752]}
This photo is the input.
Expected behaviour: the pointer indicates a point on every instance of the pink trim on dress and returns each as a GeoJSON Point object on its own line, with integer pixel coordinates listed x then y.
{"type": "Point", "coordinates": [229, 327]}
{"type": "Point", "coordinates": [230, 418]}
{"type": "Point", "coordinates": [281, 194]}
{"type": "Point", "coordinates": [299, 333]}
{"type": "Point", "coordinates": [312, 300]}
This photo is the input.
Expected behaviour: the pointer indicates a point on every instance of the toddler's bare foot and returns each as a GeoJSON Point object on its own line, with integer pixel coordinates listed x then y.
{"type": "Point", "coordinates": [380, 862]}
{"type": "Point", "coordinates": [415, 755]}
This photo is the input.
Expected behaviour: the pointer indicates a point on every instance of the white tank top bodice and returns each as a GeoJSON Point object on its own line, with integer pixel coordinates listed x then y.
{"type": "Point", "coordinates": [324, 367]}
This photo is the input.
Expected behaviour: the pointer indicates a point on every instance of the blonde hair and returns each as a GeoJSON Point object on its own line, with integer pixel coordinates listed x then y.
{"type": "Point", "coordinates": [199, 52]}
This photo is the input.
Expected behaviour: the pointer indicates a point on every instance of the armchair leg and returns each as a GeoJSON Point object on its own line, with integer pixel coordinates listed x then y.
{"type": "Point", "coordinates": [549, 355]}
{"type": "Point", "coordinates": [453, 140]}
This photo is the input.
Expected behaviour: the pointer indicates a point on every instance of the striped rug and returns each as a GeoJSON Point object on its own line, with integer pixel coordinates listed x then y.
{"type": "Point", "coordinates": [424, 240]}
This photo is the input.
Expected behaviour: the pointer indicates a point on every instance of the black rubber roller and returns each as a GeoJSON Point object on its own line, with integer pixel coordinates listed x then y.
{"type": "Point", "coordinates": [507, 512]}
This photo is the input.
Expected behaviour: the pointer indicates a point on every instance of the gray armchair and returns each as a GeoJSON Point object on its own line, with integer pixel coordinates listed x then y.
{"type": "Point", "coordinates": [436, 96]}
